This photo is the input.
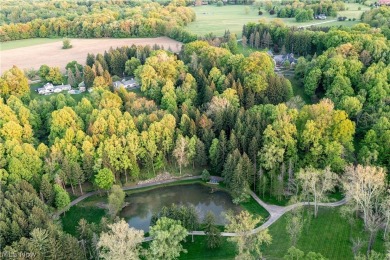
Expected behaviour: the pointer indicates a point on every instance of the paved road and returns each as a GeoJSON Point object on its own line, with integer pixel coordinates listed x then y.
{"type": "Point", "coordinates": [275, 211]}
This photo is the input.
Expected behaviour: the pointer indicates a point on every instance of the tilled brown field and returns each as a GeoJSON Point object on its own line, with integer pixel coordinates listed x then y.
{"type": "Point", "coordinates": [52, 54]}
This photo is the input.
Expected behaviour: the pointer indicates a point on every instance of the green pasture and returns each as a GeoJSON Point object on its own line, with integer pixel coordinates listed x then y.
{"type": "Point", "coordinates": [216, 20]}
{"type": "Point", "coordinates": [25, 43]}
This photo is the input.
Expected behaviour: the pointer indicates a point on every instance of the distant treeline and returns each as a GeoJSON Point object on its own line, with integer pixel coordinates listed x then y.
{"type": "Point", "coordinates": [97, 20]}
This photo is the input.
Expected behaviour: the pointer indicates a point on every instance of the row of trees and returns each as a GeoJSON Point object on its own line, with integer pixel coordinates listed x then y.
{"type": "Point", "coordinates": [314, 40]}
{"type": "Point", "coordinates": [98, 20]}
{"type": "Point", "coordinates": [329, 8]}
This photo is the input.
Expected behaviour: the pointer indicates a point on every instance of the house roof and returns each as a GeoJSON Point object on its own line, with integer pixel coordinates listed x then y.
{"type": "Point", "coordinates": [384, 2]}
{"type": "Point", "coordinates": [125, 82]}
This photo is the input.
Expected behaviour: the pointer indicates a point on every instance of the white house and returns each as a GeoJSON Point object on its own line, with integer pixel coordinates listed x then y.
{"type": "Point", "coordinates": [48, 88]}
{"type": "Point", "coordinates": [127, 84]}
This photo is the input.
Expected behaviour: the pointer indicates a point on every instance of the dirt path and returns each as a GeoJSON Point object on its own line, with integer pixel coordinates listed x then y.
{"type": "Point", "coordinates": [52, 54]}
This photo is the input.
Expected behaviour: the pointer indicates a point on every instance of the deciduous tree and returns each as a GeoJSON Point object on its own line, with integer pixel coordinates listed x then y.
{"type": "Point", "coordinates": [167, 237]}
{"type": "Point", "coordinates": [248, 245]}
{"type": "Point", "coordinates": [120, 242]}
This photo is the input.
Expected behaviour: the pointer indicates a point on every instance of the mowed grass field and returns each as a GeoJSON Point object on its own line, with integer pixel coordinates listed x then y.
{"type": "Point", "coordinates": [25, 43]}
{"type": "Point", "coordinates": [328, 234]}
{"type": "Point", "coordinates": [353, 10]}
{"type": "Point", "coordinates": [216, 20]}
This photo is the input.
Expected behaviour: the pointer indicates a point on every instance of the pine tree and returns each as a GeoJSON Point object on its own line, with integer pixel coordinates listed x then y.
{"type": "Point", "coordinates": [90, 59]}
{"type": "Point", "coordinates": [89, 76]}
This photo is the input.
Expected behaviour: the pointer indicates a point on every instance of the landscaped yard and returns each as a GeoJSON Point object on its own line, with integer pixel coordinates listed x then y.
{"type": "Point", "coordinates": [35, 95]}
{"type": "Point", "coordinates": [329, 234]}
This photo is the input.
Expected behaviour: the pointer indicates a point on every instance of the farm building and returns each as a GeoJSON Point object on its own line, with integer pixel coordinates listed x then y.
{"type": "Point", "coordinates": [127, 84]}
{"type": "Point", "coordinates": [48, 88]}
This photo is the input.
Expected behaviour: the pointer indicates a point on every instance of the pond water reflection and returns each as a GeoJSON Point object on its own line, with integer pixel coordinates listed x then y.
{"type": "Point", "coordinates": [143, 205]}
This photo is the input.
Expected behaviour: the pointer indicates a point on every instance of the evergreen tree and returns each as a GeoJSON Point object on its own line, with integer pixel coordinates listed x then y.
{"type": "Point", "coordinates": [89, 76]}
{"type": "Point", "coordinates": [71, 79]}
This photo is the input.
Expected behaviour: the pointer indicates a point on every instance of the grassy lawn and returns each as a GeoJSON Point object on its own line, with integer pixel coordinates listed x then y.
{"type": "Point", "coordinates": [299, 89]}
{"type": "Point", "coordinates": [77, 212]}
{"type": "Point", "coordinates": [255, 209]}
{"type": "Point", "coordinates": [247, 50]}
{"type": "Point", "coordinates": [273, 200]}
{"type": "Point", "coordinates": [353, 10]}
{"type": "Point", "coordinates": [198, 249]}
{"type": "Point", "coordinates": [34, 94]}
{"type": "Point", "coordinates": [214, 19]}
{"type": "Point", "coordinates": [25, 43]}
{"type": "Point", "coordinates": [328, 234]}
{"type": "Point", "coordinates": [340, 23]}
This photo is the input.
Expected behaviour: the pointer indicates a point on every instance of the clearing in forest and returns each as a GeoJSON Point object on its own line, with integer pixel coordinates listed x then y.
{"type": "Point", "coordinates": [52, 54]}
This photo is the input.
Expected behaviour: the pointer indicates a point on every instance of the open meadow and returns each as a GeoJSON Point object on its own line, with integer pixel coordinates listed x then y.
{"type": "Point", "coordinates": [216, 20]}
{"type": "Point", "coordinates": [52, 53]}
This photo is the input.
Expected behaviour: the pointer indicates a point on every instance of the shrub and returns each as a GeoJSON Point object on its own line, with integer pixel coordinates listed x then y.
{"type": "Point", "coordinates": [359, 8]}
{"type": "Point", "coordinates": [272, 12]}
{"type": "Point", "coordinates": [66, 44]}
{"type": "Point", "coordinates": [31, 73]}
{"type": "Point", "coordinates": [219, 3]}
{"type": "Point", "coordinates": [205, 175]}
{"type": "Point", "coordinates": [260, 13]}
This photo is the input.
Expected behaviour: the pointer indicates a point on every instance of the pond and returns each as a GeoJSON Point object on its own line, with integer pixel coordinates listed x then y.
{"type": "Point", "coordinates": [143, 205]}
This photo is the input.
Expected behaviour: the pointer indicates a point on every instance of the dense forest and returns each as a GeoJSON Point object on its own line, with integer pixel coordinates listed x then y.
{"type": "Point", "coordinates": [207, 107]}
{"type": "Point", "coordinates": [26, 19]}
